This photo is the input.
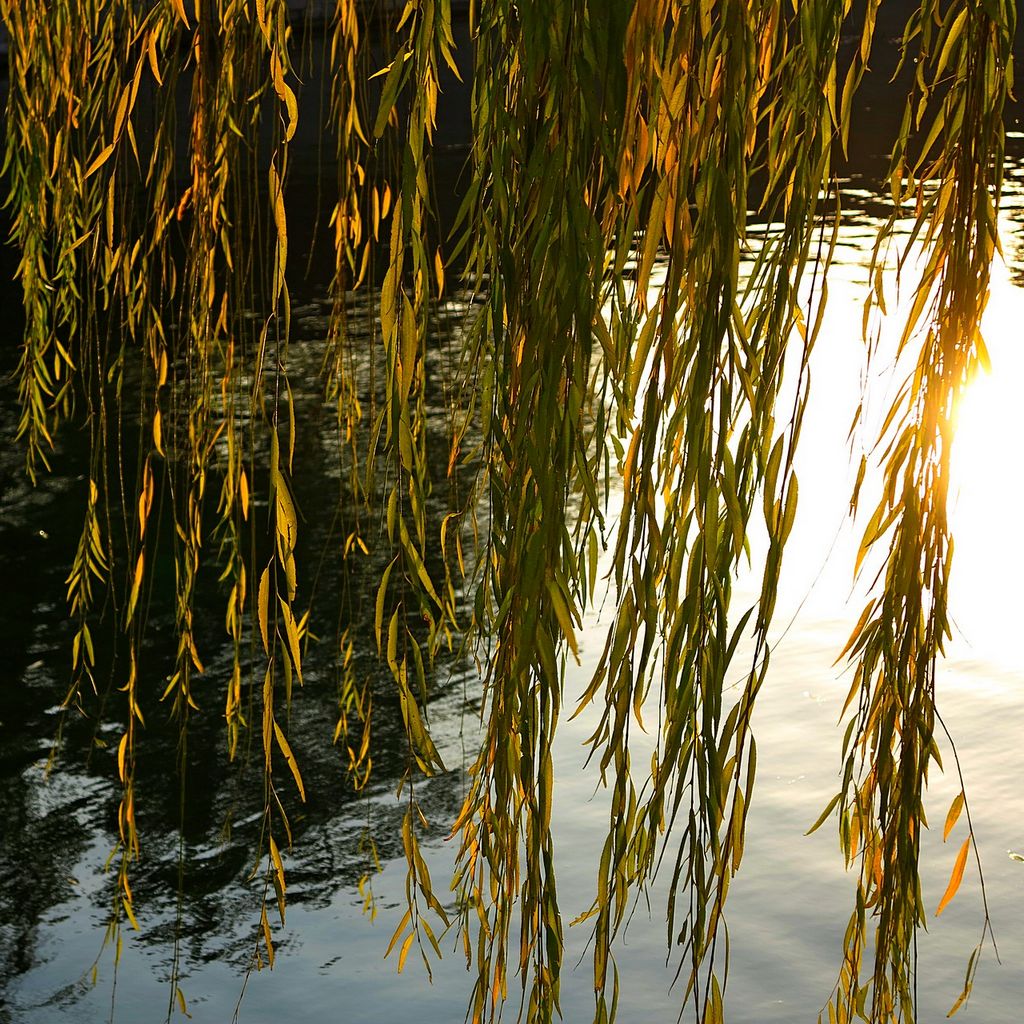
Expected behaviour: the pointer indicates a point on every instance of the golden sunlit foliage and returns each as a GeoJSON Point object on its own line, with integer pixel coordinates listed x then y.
{"type": "Point", "coordinates": [648, 220]}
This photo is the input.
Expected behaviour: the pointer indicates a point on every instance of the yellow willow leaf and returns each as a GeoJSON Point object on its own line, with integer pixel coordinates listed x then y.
{"type": "Point", "coordinates": [110, 227]}
{"type": "Point", "coordinates": [121, 748]}
{"type": "Point", "coordinates": [263, 607]}
{"type": "Point", "coordinates": [158, 441]}
{"type": "Point", "coordinates": [392, 652]}
{"type": "Point", "coordinates": [291, 397]}
{"type": "Point", "coordinates": [954, 813]}
{"type": "Point", "coordinates": [285, 94]}
{"type": "Point", "coordinates": [133, 598]}
{"type": "Point", "coordinates": [381, 72]}
{"type": "Point", "coordinates": [87, 640]}
{"type": "Point", "coordinates": [279, 883]}
{"type": "Point", "coordinates": [265, 925]}
{"type": "Point", "coordinates": [80, 241]}
{"type": "Point", "coordinates": [404, 952]}
{"type": "Point", "coordinates": [382, 590]}
{"type": "Point", "coordinates": [145, 500]}
{"type": "Point", "coordinates": [292, 106]}
{"type": "Point", "coordinates": [289, 757]}
{"type": "Point", "coordinates": [417, 561]}
{"type": "Point", "coordinates": [430, 934]}
{"type": "Point", "coordinates": [281, 224]}
{"type": "Point", "coordinates": [409, 350]}
{"type": "Point", "coordinates": [389, 94]}
{"type": "Point", "coordinates": [243, 493]}
{"type": "Point", "coordinates": [865, 615]}
{"type": "Point", "coordinates": [407, 917]}
{"type": "Point", "coordinates": [824, 814]}
{"type": "Point", "coordinates": [956, 877]}
{"type": "Point", "coordinates": [154, 65]}
{"type": "Point", "coordinates": [424, 750]}
{"type": "Point", "coordinates": [133, 142]}
{"type": "Point", "coordinates": [292, 634]}
{"type": "Point", "coordinates": [439, 271]}
{"type": "Point", "coordinates": [268, 716]}
{"type": "Point", "coordinates": [388, 301]}
{"type": "Point", "coordinates": [58, 145]}
{"type": "Point", "coordinates": [564, 617]}
{"type": "Point", "coordinates": [122, 111]}
{"type": "Point", "coordinates": [101, 159]}
{"type": "Point", "coordinates": [179, 8]}
{"type": "Point", "coordinates": [126, 902]}
{"type": "Point", "coordinates": [737, 830]}
{"type": "Point", "coordinates": [290, 575]}
{"type": "Point", "coordinates": [275, 856]}
{"type": "Point", "coordinates": [954, 34]}
{"type": "Point", "coordinates": [961, 999]}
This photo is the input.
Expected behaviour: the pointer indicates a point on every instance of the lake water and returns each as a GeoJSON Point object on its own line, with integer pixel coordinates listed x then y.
{"type": "Point", "coordinates": [789, 904]}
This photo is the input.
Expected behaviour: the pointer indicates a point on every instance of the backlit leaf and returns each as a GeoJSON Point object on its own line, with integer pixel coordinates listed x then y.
{"type": "Point", "coordinates": [956, 877]}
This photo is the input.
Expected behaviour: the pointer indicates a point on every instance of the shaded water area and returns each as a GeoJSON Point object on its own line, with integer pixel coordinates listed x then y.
{"type": "Point", "coordinates": [790, 902]}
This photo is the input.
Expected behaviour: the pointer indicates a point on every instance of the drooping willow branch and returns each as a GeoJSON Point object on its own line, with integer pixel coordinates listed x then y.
{"type": "Point", "coordinates": [954, 176]}
{"type": "Point", "coordinates": [645, 223]}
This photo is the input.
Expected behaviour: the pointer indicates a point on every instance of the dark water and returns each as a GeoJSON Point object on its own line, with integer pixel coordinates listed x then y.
{"type": "Point", "coordinates": [788, 906]}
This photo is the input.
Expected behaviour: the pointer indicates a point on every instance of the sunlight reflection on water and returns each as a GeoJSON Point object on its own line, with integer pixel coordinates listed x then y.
{"type": "Point", "coordinates": [989, 487]}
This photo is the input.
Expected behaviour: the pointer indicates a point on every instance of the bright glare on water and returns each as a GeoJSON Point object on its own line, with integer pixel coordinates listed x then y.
{"type": "Point", "coordinates": [988, 486]}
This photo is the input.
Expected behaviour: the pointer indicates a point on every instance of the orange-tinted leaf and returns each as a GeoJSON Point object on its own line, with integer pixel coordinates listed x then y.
{"type": "Point", "coordinates": [954, 813]}
{"type": "Point", "coordinates": [956, 878]}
